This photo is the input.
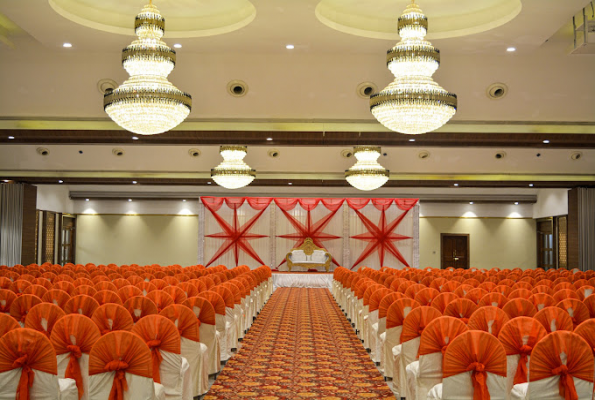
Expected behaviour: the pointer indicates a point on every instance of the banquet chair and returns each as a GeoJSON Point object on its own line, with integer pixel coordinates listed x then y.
{"type": "Point", "coordinates": [561, 367]}
{"type": "Point", "coordinates": [176, 293]}
{"type": "Point", "coordinates": [474, 368]}
{"type": "Point", "coordinates": [576, 309]}
{"type": "Point", "coordinates": [230, 320]}
{"type": "Point", "coordinates": [81, 304]}
{"type": "Point", "coordinates": [460, 308]}
{"type": "Point", "coordinates": [21, 306]}
{"type": "Point", "coordinates": [170, 369]}
{"type": "Point", "coordinates": [542, 300]}
{"type": "Point", "coordinates": [519, 307]}
{"type": "Point", "coordinates": [139, 307]}
{"type": "Point", "coordinates": [205, 313]}
{"type": "Point", "coordinates": [196, 353]}
{"type": "Point", "coordinates": [120, 367]}
{"type": "Point", "coordinates": [107, 296]}
{"type": "Point", "coordinates": [424, 374]}
{"type": "Point", "coordinates": [160, 298]}
{"type": "Point", "coordinates": [28, 368]}
{"type": "Point", "coordinates": [237, 309]}
{"type": "Point", "coordinates": [489, 319]}
{"type": "Point", "coordinates": [366, 326]}
{"type": "Point", "coordinates": [111, 317]}
{"type": "Point", "coordinates": [374, 322]}
{"type": "Point", "coordinates": [586, 330]}
{"type": "Point", "coordinates": [6, 299]}
{"type": "Point", "coordinates": [519, 337]}
{"type": "Point", "coordinates": [43, 317]}
{"type": "Point", "coordinates": [220, 320]}
{"type": "Point", "coordinates": [413, 326]}
{"type": "Point", "coordinates": [73, 337]}
{"type": "Point", "coordinates": [395, 317]}
{"type": "Point", "coordinates": [7, 324]}
{"type": "Point", "coordinates": [554, 319]}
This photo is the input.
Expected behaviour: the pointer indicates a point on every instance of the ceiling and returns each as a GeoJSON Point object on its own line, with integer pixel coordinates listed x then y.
{"type": "Point", "coordinates": [304, 99]}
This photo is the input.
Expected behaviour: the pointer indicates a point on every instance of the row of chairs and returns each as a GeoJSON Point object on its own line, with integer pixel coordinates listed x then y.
{"type": "Point", "coordinates": [468, 334]}
{"type": "Point", "coordinates": [186, 322]}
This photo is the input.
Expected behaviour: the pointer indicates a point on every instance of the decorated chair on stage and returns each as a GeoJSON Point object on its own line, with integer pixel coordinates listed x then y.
{"type": "Point", "coordinates": [308, 255]}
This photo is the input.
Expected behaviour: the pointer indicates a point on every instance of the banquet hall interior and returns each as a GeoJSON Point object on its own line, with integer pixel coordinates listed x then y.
{"type": "Point", "coordinates": [329, 199]}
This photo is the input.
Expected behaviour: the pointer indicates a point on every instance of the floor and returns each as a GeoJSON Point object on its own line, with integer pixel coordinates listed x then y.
{"type": "Point", "coordinates": [300, 346]}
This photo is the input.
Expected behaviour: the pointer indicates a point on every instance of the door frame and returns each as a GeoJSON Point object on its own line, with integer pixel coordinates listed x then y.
{"type": "Point", "coordinates": [455, 234]}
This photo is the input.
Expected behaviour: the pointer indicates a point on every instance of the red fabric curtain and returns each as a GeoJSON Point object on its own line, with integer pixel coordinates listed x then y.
{"type": "Point", "coordinates": [406, 204]}
{"type": "Point", "coordinates": [357, 204]}
{"type": "Point", "coordinates": [286, 204]}
{"type": "Point", "coordinates": [382, 204]}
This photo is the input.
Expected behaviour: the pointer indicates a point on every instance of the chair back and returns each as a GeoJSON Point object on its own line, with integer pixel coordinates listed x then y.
{"type": "Point", "coordinates": [111, 317]}
{"type": "Point", "coordinates": [81, 304]}
{"type": "Point", "coordinates": [554, 319]}
{"type": "Point", "coordinates": [139, 307]}
{"type": "Point", "coordinates": [489, 319]}
{"type": "Point", "coordinates": [461, 308]}
{"type": "Point", "coordinates": [21, 306]}
{"type": "Point", "coordinates": [43, 317]}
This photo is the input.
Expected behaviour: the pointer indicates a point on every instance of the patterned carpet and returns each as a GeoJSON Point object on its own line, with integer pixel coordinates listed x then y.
{"type": "Point", "coordinates": [300, 346]}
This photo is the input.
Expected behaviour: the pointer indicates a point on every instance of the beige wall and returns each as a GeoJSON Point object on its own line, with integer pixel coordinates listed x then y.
{"type": "Point", "coordinates": [140, 239]}
{"type": "Point", "coordinates": [494, 242]}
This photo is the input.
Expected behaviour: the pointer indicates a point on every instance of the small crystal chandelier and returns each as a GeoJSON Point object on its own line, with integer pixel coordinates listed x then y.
{"type": "Point", "coordinates": [367, 174]}
{"type": "Point", "coordinates": [147, 103]}
{"type": "Point", "coordinates": [233, 172]}
{"type": "Point", "coordinates": [413, 103]}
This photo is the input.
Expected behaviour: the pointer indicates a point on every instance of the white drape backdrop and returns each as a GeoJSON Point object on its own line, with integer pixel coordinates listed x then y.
{"type": "Point", "coordinates": [272, 248]}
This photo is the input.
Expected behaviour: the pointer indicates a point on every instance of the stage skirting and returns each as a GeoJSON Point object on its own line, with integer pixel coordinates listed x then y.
{"type": "Point", "coordinates": [302, 280]}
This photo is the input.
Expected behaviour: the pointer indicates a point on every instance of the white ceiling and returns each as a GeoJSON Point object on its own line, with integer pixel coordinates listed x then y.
{"type": "Point", "coordinates": [315, 81]}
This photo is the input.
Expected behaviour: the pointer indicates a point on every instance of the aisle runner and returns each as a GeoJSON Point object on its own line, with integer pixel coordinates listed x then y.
{"type": "Point", "coordinates": [301, 346]}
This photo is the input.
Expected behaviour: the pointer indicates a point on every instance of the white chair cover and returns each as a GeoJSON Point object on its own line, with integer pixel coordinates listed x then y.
{"type": "Point", "coordinates": [208, 336]}
{"type": "Point", "coordinates": [220, 324]}
{"type": "Point", "coordinates": [139, 387]}
{"type": "Point", "coordinates": [45, 386]}
{"type": "Point", "coordinates": [230, 328]}
{"type": "Point", "coordinates": [460, 387]}
{"type": "Point", "coordinates": [64, 359]}
{"type": "Point", "coordinates": [197, 355]}
{"type": "Point", "coordinates": [171, 375]}
{"type": "Point", "coordinates": [423, 375]}
{"type": "Point", "coordinates": [548, 389]}
{"type": "Point", "coordinates": [392, 338]}
{"type": "Point", "coordinates": [408, 355]}
{"type": "Point", "coordinates": [68, 389]}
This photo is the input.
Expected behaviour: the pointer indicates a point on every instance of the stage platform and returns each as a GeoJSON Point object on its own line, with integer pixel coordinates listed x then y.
{"type": "Point", "coordinates": [302, 279]}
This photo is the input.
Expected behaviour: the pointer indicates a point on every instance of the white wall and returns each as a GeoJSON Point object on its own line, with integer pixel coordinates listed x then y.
{"type": "Point", "coordinates": [500, 235]}
{"type": "Point", "coordinates": [136, 206]}
{"type": "Point", "coordinates": [54, 198]}
{"type": "Point", "coordinates": [550, 203]}
{"type": "Point", "coordinates": [140, 239]}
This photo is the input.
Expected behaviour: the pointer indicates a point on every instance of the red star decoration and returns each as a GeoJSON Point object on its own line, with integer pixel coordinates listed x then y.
{"type": "Point", "coordinates": [236, 237]}
{"type": "Point", "coordinates": [310, 230]}
{"type": "Point", "coordinates": [381, 238]}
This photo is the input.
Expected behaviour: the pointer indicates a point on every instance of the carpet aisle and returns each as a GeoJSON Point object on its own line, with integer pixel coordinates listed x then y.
{"type": "Point", "coordinates": [300, 346]}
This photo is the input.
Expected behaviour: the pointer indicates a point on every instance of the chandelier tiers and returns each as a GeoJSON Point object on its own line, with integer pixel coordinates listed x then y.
{"type": "Point", "coordinates": [367, 174]}
{"type": "Point", "coordinates": [413, 103]}
{"type": "Point", "coordinates": [147, 103]}
{"type": "Point", "coordinates": [233, 172]}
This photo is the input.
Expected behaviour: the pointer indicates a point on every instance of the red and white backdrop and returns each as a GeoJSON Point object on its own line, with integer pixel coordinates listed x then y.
{"type": "Point", "coordinates": [261, 230]}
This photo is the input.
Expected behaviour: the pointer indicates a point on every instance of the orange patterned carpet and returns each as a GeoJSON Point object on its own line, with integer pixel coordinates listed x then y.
{"type": "Point", "coordinates": [300, 346]}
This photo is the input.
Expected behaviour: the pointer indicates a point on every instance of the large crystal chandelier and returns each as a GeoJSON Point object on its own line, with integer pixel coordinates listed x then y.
{"type": "Point", "coordinates": [147, 103]}
{"type": "Point", "coordinates": [233, 172]}
{"type": "Point", "coordinates": [413, 103]}
{"type": "Point", "coordinates": [367, 174]}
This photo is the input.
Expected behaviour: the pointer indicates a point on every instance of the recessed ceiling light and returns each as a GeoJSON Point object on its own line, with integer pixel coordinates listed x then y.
{"type": "Point", "coordinates": [67, 45]}
{"type": "Point", "coordinates": [60, 181]}
{"type": "Point", "coordinates": [546, 141]}
{"type": "Point", "coordinates": [178, 46]}
{"type": "Point", "coordinates": [530, 185]}
{"type": "Point", "coordinates": [290, 47]}
{"type": "Point", "coordinates": [412, 140]}
{"type": "Point", "coordinates": [10, 137]}
{"type": "Point", "coordinates": [208, 183]}
{"type": "Point", "coordinates": [516, 203]}
{"type": "Point", "coordinates": [184, 200]}
{"type": "Point", "coordinates": [456, 184]}
{"type": "Point", "coordinates": [129, 199]}
{"type": "Point", "coordinates": [134, 182]}
{"type": "Point", "coordinates": [290, 183]}
{"type": "Point", "coordinates": [134, 138]}
{"type": "Point", "coordinates": [86, 199]}
{"type": "Point", "coordinates": [470, 202]}
{"type": "Point", "coordinates": [269, 139]}
{"type": "Point", "coordinates": [511, 49]}
{"type": "Point", "coordinates": [6, 181]}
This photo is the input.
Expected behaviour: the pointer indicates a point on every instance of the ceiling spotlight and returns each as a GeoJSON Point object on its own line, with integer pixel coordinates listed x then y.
{"type": "Point", "coordinates": [546, 141]}
{"type": "Point", "coordinates": [67, 45]}
{"type": "Point", "coordinates": [269, 139]}
{"type": "Point", "coordinates": [208, 183]}
{"type": "Point", "coordinates": [10, 137]}
{"type": "Point", "coordinates": [6, 181]}
{"type": "Point", "coordinates": [511, 49]}
{"type": "Point", "coordinates": [60, 181]}
{"type": "Point", "coordinates": [129, 199]}
{"type": "Point", "coordinates": [135, 138]}
{"type": "Point", "coordinates": [530, 185]}
{"type": "Point", "coordinates": [456, 184]}
{"type": "Point", "coordinates": [86, 199]}
{"type": "Point", "coordinates": [412, 140]}
{"type": "Point", "coordinates": [470, 202]}
{"type": "Point", "coordinates": [516, 203]}
{"type": "Point", "coordinates": [184, 200]}
{"type": "Point", "coordinates": [290, 47]}
{"type": "Point", "coordinates": [134, 182]}
{"type": "Point", "coordinates": [178, 46]}
{"type": "Point", "coordinates": [290, 183]}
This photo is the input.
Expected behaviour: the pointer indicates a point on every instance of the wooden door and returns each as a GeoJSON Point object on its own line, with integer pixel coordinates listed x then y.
{"type": "Point", "coordinates": [67, 241]}
{"type": "Point", "coordinates": [454, 250]}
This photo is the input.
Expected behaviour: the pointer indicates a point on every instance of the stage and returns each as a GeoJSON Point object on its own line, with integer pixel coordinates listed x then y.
{"type": "Point", "coordinates": [302, 279]}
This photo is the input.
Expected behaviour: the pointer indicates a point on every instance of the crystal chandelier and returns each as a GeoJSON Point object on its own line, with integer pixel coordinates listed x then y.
{"type": "Point", "coordinates": [147, 103]}
{"type": "Point", "coordinates": [413, 103]}
{"type": "Point", "coordinates": [233, 172]}
{"type": "Point", "coordinates": [367, 174]}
